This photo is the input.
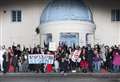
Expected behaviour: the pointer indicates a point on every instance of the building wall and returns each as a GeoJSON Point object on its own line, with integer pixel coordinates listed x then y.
{"type": "Point", "coordinates": [107, 32]}
{"type": "Point", "coordinates": [0, 27]}
{"type": "Point", "coordinates": [21, 32]}
{"type": "Point", "coordinates": [56, 28]}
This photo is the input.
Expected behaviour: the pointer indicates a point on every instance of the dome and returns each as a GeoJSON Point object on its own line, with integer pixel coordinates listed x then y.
{"type": "Point", "coordinates": [61, 10]}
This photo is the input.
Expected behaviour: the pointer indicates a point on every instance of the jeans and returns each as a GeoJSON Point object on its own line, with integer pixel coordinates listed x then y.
{"type": "Point", "coordinates": [116, 68]}
{"type": "Point", "coordinates": [1, 65]}
{"type": "Point", "coordinates": [97, 66]}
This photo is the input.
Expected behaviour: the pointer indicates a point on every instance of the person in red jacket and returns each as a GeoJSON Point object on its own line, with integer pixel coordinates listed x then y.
{"type": "Point", "coordinates": [84, 64]}
{"type": "Point", "coordinates": [49, 67]}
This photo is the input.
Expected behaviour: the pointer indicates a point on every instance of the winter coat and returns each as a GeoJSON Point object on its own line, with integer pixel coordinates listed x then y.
{"type": "Point", "coordinates": [56, 64]}
{"type": "Point", "coordinates": [84, 64]}
{"type": "Point", "coordinates": [102, 55]}
{"type": "Point", "coordinates": [49, 68]}
{"type": "Point", "coordinates": [116, 59]}
{"type": "Point", "coordinates": [97, 59]}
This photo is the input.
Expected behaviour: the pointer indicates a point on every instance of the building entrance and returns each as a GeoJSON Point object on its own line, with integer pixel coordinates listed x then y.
{"type": "Point", "coordinates": [70, 39]}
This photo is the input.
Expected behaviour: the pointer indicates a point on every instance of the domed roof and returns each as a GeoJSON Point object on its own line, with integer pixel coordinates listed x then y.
{"type": "Point", "coordinates": [61, 10]}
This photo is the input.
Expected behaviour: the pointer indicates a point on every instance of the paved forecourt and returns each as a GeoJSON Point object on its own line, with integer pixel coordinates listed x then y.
{"type": "Point", "coordinates": [57, 77]}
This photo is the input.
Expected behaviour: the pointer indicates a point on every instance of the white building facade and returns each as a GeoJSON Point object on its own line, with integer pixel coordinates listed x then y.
{"type": "Point", "coordinates": [71, 21]}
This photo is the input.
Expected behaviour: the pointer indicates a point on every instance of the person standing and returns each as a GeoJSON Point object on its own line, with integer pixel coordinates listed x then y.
{"type": "Point", "coordinates": [74, 58]}
{"type": "Point", "coordinates": [56, 65]}
{"type": "Point", "coordinates": [2, 51]}
{"type": "Point", "coordinates": [5, 62]}
{"type": "Point", "coordinates": [84, 64]}
{"type": "Point", "coordinates": [103, 56]}
{"type": "Point", "coordinates": [109, 59]}
{"type": "Point", "coordinates": [90, 58]}
{"type": "Point", "coordinates": [49, 67]}
{"type": "Point", "coordinates": [10, 60]}
{"type": "Point", "coordinates": [18, 51]}
{"type": "Point", "coordinates": [116, 61]}
{"type": "Point", "coordinates": [97, 61]}
{"type": "Point", "coordinates": [15, 63]}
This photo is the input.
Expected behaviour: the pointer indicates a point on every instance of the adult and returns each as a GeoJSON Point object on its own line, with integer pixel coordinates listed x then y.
{"type": "Point", "coordinates": [103, 56]}
{"type": "Point", "coordinates": [49, 67]}
{"type": "Point", "coordinates": [5, 62]}
{"type": "Point", "coordinates": [56, 65]}
{"type": "Point", "coordinates": [74, 58]}
{"type": "Point", "coordinates": [18, 51]}
{"type": "Point", "coordinates": [63, 65]}
{"type": "Point", "coordinates": [116, 61]}
{"type": "Point", "coordinates": [109, 59]}
{"type": "Point", "coordinates": [90, 58]}
{"type": "Point", "coordinates": [2, 51]}
{"type": "Point", "coordinates": [10, 60]}
{"type": "Point", "coordinates": [84, 64]}
{"type": "Point", "coordinates": [97, 61]}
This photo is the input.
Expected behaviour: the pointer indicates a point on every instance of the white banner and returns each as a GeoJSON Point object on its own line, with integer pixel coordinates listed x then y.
{"type": "Point", "coordinates": [40, 58]}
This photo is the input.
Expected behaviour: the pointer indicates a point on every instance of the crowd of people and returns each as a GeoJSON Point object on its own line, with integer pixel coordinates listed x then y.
{"type": "Point", "coordinates": [97, 59]}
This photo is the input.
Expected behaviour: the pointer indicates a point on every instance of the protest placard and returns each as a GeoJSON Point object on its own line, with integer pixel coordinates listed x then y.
{"type": "Point", "coordinates": [40, 58]}
{"type": "Point", "coordinates": [76, 55]}
{"type": "Point", "coordinates": [52, 46]}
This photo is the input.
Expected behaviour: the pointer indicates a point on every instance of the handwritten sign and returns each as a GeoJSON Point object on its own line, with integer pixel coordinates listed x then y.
{"type": "Point", "coordinates": [40, 58]}
{"type": "Point", "coordinates": [76, 55]}
{"type": "Point", "coordinates": [52, 46]}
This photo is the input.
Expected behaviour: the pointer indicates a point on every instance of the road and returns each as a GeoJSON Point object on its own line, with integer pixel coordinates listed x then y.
{"type": "Point", "coordinates": [57, 78]}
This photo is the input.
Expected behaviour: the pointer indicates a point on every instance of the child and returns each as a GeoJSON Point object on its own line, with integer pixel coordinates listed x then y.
{"type": "Point", "coordinates": [56, 65]}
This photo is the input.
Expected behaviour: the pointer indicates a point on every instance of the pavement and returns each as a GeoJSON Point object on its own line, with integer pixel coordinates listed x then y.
{"type": "Point", "coordinates": [58, 77]}
{"type": "Point", "coordinates": [73, 75]}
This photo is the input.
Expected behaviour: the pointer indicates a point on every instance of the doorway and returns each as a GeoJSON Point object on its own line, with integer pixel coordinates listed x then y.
{"type": "Point", "coordinates": [70, 39]}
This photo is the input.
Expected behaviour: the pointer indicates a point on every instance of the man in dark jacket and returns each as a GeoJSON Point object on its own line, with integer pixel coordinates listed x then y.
{"type": "Point", "coordinates": [4, 63]}
{"type": "Point", "coordinates": [15, 63]}
{"type": "Point", "coordinates": [90, 55]}
{"type": "Point", "coordinates": [64, 65]}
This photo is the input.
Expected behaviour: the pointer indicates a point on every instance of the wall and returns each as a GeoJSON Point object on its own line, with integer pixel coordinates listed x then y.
{"type": "Point", "coordinates": [21, 32]}
{"type": "Point", "coordinates": [107, 31]}
{"type": "Point", "coordinates": [0, 26]}
{"type": "Point", "coordinates": [67, 27]}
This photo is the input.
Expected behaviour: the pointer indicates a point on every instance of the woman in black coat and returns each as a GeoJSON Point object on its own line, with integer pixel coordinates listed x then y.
{"type": "Point", "coordinates": [90, 54]}
{"type": "Point", "coordinates": [64, 65]}
{"type": "Point", "coordinates": [4, 63]}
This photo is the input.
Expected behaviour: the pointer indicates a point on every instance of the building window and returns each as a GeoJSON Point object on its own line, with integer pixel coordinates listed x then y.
{"type": "Point", "coordinates": [16, 16]}
{"type": "Point", "coordinates": [115, 14]}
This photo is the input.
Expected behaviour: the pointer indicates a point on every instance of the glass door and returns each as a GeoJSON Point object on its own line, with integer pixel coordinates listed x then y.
{"type": "Point", "coordinates": [70, 39]}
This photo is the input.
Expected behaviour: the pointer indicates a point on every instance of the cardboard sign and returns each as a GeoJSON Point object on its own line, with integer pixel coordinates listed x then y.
{"type": "Point", "coordinates": [76, 55]}
{"type": "Point", "coordinates": [52, 46]}
{"type": "Point", "coordinates": [40, 58]}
